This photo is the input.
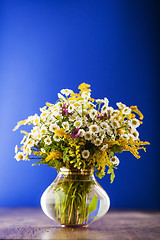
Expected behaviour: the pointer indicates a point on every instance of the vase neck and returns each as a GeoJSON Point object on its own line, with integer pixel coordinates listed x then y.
{"type": "Point", "coordinates": [76, 175]}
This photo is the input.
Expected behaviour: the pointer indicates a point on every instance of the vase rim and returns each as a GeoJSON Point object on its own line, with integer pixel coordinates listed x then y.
{"type": "Point", "coordinates": [79, 171]}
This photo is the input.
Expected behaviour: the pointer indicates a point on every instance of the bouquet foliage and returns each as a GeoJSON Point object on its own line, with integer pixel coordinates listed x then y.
{"type": "Point", "coordinates": [79, 132]}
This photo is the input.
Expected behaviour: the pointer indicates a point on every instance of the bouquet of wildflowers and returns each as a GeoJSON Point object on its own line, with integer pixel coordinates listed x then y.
{"type": "Point", "coordinates": [79, 132]}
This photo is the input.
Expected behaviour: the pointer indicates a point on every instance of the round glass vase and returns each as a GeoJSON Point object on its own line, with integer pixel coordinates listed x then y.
{"type": "Point", "coordinates": [75, 198]}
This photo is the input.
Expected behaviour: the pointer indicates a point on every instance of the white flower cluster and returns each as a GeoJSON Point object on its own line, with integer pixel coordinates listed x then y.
{"type": "Point", "coordinates": [95, 122]}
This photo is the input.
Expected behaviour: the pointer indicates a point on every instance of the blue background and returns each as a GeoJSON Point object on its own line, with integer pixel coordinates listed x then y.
{"type": "Point", "coordinates": [49, 45]}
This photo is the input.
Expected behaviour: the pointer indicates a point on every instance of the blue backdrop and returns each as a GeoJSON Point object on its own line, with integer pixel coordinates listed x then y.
{"type": "Point", "coordinates": [49, 45]}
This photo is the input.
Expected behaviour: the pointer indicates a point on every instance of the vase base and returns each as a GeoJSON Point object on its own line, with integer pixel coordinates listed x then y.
{"type": "Point", "coordinates": [75, 226]}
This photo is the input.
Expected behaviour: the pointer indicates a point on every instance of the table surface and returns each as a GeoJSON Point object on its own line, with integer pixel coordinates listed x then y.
{"type": "Point", "coordinates": [32, 223]}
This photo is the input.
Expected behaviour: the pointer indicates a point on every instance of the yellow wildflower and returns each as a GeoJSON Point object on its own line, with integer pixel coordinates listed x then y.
{"type": "Point", "coordinates": [54, 155]}
{"type": "Point", "coordinates": [84, 86]}
{"type": "Point", "coordinates": [136, 110]}
{"type": "Point", "coordinates": [19, 124]}
{"type": "Point", "coordinates": [60, 132]}
{"type": "Point", "coordinates": [24, 132]}
{"type": "Point", "coordinates": [48, 104]}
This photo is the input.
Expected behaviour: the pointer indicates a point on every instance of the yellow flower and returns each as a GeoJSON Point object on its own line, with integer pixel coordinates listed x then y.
{"type": "Point", "coordinates": [24, 132]}
{"type": "Point", "coordinates": [19, 124]}
{"type": "Point", "coordinates": [60, 132]}
{"type": "Point", "coordinates": [54, 155]}
{"type": "Point", "coordinates": [136, 110]}
{"type": "Point", "coordinates": [48, 104]}
{"type": "Point", "coordinates": [83, 86]}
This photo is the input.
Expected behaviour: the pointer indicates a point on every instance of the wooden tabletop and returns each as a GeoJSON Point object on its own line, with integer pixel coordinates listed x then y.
{"type": "Point", "coordinates": [31, 223]}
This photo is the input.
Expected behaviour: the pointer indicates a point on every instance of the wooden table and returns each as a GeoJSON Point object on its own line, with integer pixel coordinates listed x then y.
{"type": "Point", "coordinates": [31, 223]}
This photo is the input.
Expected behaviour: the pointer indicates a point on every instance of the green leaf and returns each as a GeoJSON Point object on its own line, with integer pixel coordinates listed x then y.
{"type": "Point", "coordinates": [65, 155]}
{"type": "Point", "coordinates": [116, 148]}
{"type": "Point", "coordinates": [99, 174]}
{"type": "Point", "coordinates": [93, 204]}
{"type": "Point", "coordinates": [111, 171]}
{"type": "Point", "coordinates": [112, 177]}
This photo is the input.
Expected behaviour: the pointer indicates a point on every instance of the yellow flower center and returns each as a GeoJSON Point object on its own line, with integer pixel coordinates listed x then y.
{"type": "Point", "coordinates": [94, 129]}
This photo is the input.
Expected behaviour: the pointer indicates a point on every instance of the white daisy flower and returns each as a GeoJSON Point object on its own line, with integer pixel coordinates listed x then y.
{"type": "Point", "coordinates": [19, 156]}
{"type": "Point", "coordinates": [115, 113]}
{"type": "Point", "coordinates": [104, 109]}
{"type": "Point", "coordinates": [97, 142]}
{"type": "Point", "coordinates": [120, 105]}
{"type": "Point", "coordinates": [27, 150]}
{"type": "Point", "coordinates": [88, 135]}
{"type": "Point", "coordinates": [125, 136]}
{"type": "Point", "coordinates": [43, 109]}
{"type": "Point", "coordinates": [114, 160]}
{"type": "Point", "coordinates": [58, 105]}
{"type": "Point", "coordinates": [109, 131]}
{"type": "Point", "coordinates": [65, 125]}
{"type": "Point", "coordinates": [93, 113]}
{"type": "Point", "coordinates": [134, 134]}
{"type": "Point", "coordinates": [111, 109]}
{"type": "Point", "coordinates": [38, 136]}
{"type": "Point", "coordinates": [115, 124]}
{"type": "Point", "coordinates": [81, 132]}
{"type": "Point", "coordinates": [47, 141]}
{"type": "Point", "coordinates": [86, 95]}
{"type": "Point", "coordinates": [54, 127]}
{"type": "Point", "coordinates": [55, 112]}
{"type": "Point", "coordinates": [72, 118]}
{"type": "Point", "coordinates": [102, 133]}
{"type": "Point", "coordinates": [105, 147]}
{"type": "Point", "coordinates": [34, 130]}
{"type": "Point", "coordinates": [113, 138]}
{"type": "Point", "coordinates": [71, 108]}
{"type": "Point", "coordinates": [126, 110]}
{"type": "Point", "coordinates": [99, 100]}
{"type": "Point", "coordinates": [78, 123]}
{"type": "Point", "coordinates": [23, 139]}
{"type": "Point", "coordinates": [49, 121]}
{"type": "Point", "coordinates": [106, 101]}
{"type": "Point", "coordinates": [94, 129]}
{"type": "Point", "coordinates": [66, 92]}
{"type": "Point", "coordinates": [36, 119]}
{"type": "Point", "coordinates": [84, 121]}
{"type": "Point", "coordinates": [43, 150]}
{"type": "Point", "coordinates": [44, 115]}
{"type": "Point", "coordinates": [60, 96]}
{"type": "Point", "coordinates": [104, 125]}
{"type": "Point", "coordinates": [85, 154]}
{"type": "Point", "coordinates": [134, 123]}
{"type": "Point", "coordinates": [56, 138]}
{"type": "Point", "coordinates": [16, 149]}
{"type": "Point", "coordinates": [43, 130]}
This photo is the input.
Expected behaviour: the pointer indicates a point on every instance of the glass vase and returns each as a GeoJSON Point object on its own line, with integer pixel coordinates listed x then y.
{"type": "Point", "coordinates": [75, 198]}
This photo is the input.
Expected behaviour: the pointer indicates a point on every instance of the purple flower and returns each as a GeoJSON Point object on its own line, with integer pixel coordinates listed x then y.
{"type": "Point", "coordinates": [99, 116]}
{"type": "Point", "coordinates": [64, 109]}
{"type": "Point", "coordinates": [75, 134]}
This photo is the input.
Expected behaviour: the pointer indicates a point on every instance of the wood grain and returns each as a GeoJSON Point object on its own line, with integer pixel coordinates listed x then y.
{"type": "Point", "coordinates": [28, 223]}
